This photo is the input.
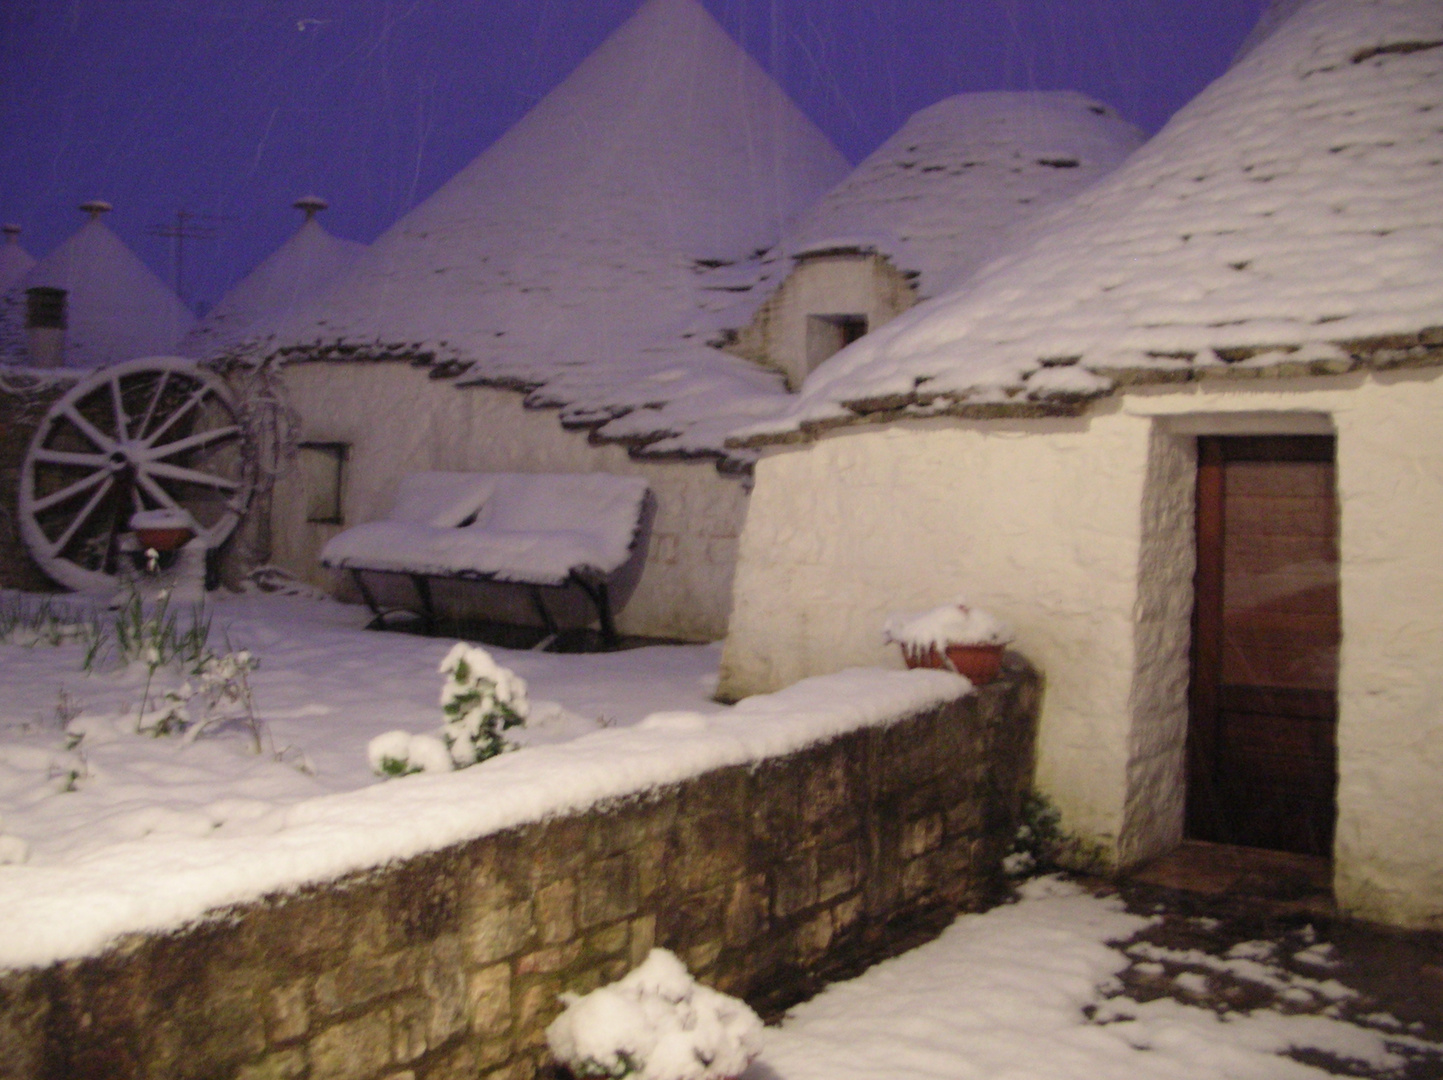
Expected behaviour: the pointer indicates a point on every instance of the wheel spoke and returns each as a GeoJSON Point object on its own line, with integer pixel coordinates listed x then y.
{"type": "Point", "coordinates": [156, 492]}
{"type": "Point", "coordinates": [186, 406]}
{"type": "Point", "coordinates": [90, 431]}
{"type": "Point", "coordinates": [154, 401]}
{"type": "Point", "coordinates": [192, 441]}
{"type": "Point", "coordinates": [60, 545]}
{"type": "Point", "coordinates": [70, 457]}
{"type": "Point", "coordinates": [68, 492]}
{"type": "Point", "coordinates": [189, 476]}
{"type": "Point", "coordinates": [122, 422]}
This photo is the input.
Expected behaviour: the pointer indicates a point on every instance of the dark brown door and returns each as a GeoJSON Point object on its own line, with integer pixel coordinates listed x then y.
{"type": "Point", "coordinates": [1262, 746]}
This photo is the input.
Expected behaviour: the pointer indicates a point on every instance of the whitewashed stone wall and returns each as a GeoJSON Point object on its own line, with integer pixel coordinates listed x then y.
{"type": "Point", "coordinates": [835, 284]}
{"type": "Point", "coordinates": [1079, 533]}
{"type": "Point", "coordinates": [396, 420]}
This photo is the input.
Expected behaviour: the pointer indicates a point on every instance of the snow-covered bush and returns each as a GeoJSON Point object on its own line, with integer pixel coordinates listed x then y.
{"type": "Point", "coordinates": [657, 1023]}
{"type": "Point", "coordinates": [399, 753]}
{"type": "Point", "coordinates": [480, 700]}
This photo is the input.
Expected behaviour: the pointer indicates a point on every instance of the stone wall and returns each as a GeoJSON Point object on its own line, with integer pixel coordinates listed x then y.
{"type": "Point", "coordinates": [24, 400]}
{"type": "Point", "coordinates": [766, 880]}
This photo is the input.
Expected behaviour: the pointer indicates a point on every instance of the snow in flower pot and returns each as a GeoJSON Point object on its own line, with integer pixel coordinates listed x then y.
{"type": "Point", "coordinates": [957, 637]}
{"type": "Point", "coordinates": [657, 1023]}
{"type": "Point", "coordinates": [164, 529]}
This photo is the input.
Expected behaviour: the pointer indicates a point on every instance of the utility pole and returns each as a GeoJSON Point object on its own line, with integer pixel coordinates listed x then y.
{"type": "Point", "coordinates": [187, 226]}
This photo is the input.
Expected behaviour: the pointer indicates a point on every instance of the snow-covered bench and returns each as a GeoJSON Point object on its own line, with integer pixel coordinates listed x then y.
{"type": "Point", "coordinates": [539, 530]}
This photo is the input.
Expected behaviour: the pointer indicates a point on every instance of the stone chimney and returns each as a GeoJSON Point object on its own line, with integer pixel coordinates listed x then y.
{"type": "Point", "coordinates": [45, 316]}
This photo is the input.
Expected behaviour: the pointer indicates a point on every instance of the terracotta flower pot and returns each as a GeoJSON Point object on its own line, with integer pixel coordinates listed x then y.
{"type": "Point", "coordinates": [980, 663]}
{"type": "Point", "coordinates": [167, 538]}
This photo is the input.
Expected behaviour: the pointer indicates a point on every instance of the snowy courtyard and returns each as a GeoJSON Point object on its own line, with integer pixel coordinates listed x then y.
{"type": "Point", "coordinates": [1061, 984]}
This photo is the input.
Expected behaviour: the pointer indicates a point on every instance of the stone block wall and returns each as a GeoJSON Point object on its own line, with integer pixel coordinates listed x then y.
{"type": "Point", "coordinates": [24, 400]}
{"type": "Point", "coordinates": [767, 881]}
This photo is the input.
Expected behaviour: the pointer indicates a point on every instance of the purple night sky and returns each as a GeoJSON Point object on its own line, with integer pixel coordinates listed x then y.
{"type": "Point", "coordinates": [234, 108]}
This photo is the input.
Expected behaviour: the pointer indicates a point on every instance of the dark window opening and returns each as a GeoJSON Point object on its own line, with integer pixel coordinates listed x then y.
{"type": "Point", "coordinates": [45, 308]}
{"type": "Point", "coordinates": [323, 475]}
{"type": "Point", "coordinates": [830, 334]}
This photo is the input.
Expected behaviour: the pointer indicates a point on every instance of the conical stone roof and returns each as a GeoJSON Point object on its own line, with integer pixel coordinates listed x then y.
{"type": "Point", "coordinates": [297, 271]}
{"type": "Point", "coordinates": [1288, 221]}
{"type": "Point", "coordinates": [949, 189]}
{"type": "Point", "coordinates": [563, 259]}
{"type": "Point", "coordinates": [116, 308]}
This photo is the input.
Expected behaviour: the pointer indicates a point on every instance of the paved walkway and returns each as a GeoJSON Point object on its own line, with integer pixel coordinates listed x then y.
{"type": "Point", "coordinates": [1215, 900]}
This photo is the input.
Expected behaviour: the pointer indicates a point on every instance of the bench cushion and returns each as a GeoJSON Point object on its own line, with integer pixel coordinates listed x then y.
{"type": "Point", "coordinates": [442, 499]}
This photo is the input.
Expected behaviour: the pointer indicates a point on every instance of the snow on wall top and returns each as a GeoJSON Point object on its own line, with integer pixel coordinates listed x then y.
{"type": "Point", "coordinates": [117, 309]}
{"type": "Point", "coordinates": [942, 195]}
{"type": "Point", "coordinates": [564, 258]}
{"type": "Point", "coordinates": [50, 913]}
{"type": "Point", "coordinates": [1290, 217]}
{"type": "Point", "coordinates": [292, 274]}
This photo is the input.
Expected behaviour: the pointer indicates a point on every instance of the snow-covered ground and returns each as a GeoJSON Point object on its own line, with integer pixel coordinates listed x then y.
{"type": "Point", "coordinates": [105, 829]}
{"type": "Point", "coordinates": [324, 688]}
{"type": "Point", "coordinates": [1031, 991]}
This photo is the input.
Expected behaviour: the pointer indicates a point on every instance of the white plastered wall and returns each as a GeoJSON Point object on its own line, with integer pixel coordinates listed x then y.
{"type": "Point", "coordinates": [835, 284]}
{"type": "Point", "coordinates": [396, 420]}
{"type": "Point", "coordinates": [1080, 534]}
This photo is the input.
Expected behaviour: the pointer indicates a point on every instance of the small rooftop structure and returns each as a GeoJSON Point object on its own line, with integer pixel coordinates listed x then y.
{"type": "Point", "coordinates": [14, 259]}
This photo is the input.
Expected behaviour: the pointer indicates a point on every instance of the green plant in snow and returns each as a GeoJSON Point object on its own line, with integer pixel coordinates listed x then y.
{"type": "Point", "coordinates": [156, 637]}
{"type": "Point", "coordinates": [27, 620]}
{"type": "Point", "coordinates": [1041, 845]}
{"type": "Point", "coordinates": [1039, 839]}
{"type": "Point", "coordinates": [480, 700]}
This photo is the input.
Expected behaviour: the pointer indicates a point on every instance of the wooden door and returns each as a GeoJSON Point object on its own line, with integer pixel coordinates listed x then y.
{"type": "Point", "coordinates": [1262, 747]}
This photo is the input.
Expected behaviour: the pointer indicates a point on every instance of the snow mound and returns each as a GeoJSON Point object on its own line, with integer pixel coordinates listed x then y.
{"type": "Point", "coordinates": [656, 1023]}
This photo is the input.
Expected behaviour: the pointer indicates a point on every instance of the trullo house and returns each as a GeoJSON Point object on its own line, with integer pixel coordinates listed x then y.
{"type": "Point", "coordinates": [107, 302]}
{"type": "Point", "coordinates": [560, 272]}
{"type": "Point", "coordinates": [639, 258]}
{"type": "Point", "coordinates": [1186, 441]}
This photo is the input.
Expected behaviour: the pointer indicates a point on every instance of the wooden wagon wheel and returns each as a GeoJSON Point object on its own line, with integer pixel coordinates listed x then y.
{"type": "Point", "coordinates": [157, 433]}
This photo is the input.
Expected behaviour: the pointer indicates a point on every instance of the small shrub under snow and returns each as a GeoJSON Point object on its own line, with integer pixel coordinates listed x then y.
{"type": "Point", "coordinates": [657, 1023]}
{"type": "Point", "coordinates": [480, 700]}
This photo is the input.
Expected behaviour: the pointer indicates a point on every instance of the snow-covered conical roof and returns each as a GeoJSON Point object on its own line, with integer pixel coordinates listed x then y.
{"type": "Point", "coordinates": [309, 260]}
{"type": "Point", "coordinates": [571, 244]}
{"type": "Point", "coordinates": [117, 309]}
{"type": "Point", "coordinates": [14, 259]}
{"type": "Point", "coordinates": [1289, 218]}
{"type": "Point", "coordinates": [948, 190]}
